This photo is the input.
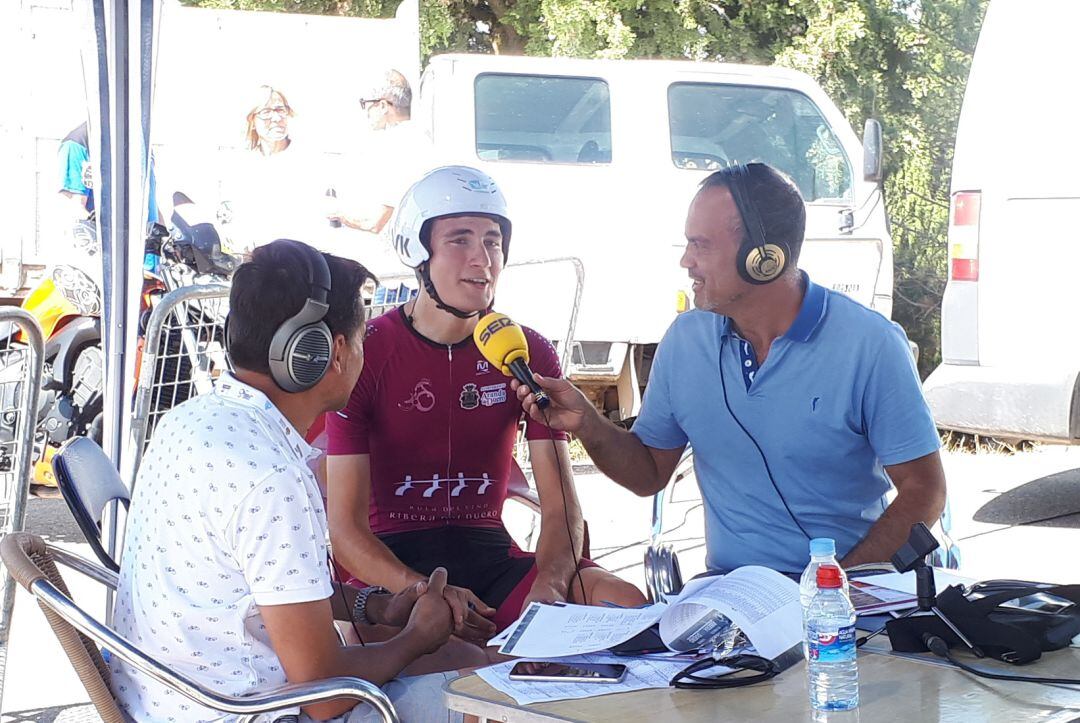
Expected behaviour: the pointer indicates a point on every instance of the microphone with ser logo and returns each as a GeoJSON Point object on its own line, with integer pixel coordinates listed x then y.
{"type": "Point", "coordinates": [502, 342]}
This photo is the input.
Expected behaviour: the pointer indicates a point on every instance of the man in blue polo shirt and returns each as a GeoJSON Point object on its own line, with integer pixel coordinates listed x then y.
{"type": "Point", "coordinates": [803, 407]}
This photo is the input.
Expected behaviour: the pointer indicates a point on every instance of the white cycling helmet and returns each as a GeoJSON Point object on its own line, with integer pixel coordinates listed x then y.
{"type": "Point", "coordinates": [446, 191]}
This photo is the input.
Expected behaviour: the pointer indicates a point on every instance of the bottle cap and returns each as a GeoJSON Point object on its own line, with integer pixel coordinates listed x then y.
{"type": "Point", "coordinates": [820, 546]}
{"type": "Point", "coordinates": [828, 577]}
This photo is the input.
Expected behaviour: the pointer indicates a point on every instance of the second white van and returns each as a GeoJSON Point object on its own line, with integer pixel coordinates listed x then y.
{"type": "Point", "coordinates": [1009, 347]}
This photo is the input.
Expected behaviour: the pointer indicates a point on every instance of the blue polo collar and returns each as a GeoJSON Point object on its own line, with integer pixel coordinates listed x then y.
{"type": "Point", "coordinates": [811, 313]}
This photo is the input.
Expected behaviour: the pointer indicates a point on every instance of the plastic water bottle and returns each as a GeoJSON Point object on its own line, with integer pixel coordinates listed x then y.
{"type": "Point", "coordinates": [831, 669]}
{"type": "Point", "coordinates": [822, 552]}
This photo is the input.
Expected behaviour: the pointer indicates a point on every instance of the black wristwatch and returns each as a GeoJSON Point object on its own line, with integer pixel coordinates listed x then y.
{"type": "Point", "coordinates": [359, 609]}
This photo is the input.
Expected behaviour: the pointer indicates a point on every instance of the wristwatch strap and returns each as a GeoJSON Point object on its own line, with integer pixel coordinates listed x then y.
{"type": "Point", "coordinates": [359, 611]}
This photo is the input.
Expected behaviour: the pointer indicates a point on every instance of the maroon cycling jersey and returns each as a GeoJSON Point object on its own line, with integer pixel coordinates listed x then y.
{"type": "Point", "coordinates": [439, 422]}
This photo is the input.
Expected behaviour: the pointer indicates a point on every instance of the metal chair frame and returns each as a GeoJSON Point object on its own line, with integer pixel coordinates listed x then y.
{"type": "Point", "coordinates": [81, 634]}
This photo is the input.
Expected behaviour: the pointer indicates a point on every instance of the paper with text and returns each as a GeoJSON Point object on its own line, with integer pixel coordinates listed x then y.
{"type": "Point", "coordinates": [761, 602]}
{"type": "Point", "coordinates": [547, 631]}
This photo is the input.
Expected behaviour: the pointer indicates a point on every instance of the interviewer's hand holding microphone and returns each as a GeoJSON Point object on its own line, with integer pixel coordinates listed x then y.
{"type": "Point", "coordinates": [554, 402]}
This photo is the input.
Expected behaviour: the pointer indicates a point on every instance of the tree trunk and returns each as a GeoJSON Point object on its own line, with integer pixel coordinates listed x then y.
{"type": "Point", "coordinates": [505, 39]}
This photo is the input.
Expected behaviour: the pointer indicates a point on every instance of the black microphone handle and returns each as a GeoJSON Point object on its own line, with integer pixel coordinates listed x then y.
{"type": "Point", "coordinates": [520, 369]}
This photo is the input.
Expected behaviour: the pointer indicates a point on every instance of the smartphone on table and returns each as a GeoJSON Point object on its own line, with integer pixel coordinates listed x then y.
{"type": "Point", "coordinates": [568, 672]}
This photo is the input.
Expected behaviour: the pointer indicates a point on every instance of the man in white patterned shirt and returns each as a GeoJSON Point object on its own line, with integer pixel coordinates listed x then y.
{"type": "Point", "coordinates": [224, 573]}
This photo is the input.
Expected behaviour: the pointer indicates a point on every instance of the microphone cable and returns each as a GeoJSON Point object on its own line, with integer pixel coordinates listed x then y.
{"type": "Point", "coordinates": [760, 451]}
{"type": "Point", "coordinates": [937, 645]}
{"type": "Point", "coordinates": [566, 513]}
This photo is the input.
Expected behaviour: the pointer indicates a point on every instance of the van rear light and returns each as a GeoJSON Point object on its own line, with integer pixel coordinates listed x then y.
{"type": "Point", "coordinates": [964, 270]}
{"type": "Point", "coordinates": [964, 236]}
{"type": "Point", "coordinates": [965, 208]}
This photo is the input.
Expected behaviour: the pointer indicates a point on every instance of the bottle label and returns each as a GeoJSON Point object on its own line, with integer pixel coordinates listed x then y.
{"type": "Point", "coordinates": [830, 646]}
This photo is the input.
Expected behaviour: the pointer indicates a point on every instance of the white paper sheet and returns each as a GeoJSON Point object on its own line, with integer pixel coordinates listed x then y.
{"type": "Point", "coordinates": [905, 581]}
{"type": "Point", "coordinates": [761, 602]}
{"type": "Point", "coordinates": [548, 631]}
{"type": "Point", "coordinates": [504, 635]}
{"type": "Point", "coordinates": [641, 673]}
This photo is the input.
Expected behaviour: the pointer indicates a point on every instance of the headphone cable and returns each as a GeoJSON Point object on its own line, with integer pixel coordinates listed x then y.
{"type": "Point", "coordinates": [761, 453]}
{"type": "Point", "coordinates": [936, 645]}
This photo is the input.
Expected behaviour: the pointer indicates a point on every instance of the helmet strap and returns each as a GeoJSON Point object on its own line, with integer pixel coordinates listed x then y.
{"type": "Point", "coordinates": [429, 286]}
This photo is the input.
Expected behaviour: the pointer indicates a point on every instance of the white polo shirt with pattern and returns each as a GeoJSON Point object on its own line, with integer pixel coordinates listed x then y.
{"type": "Point", "coordinates": [226, 516]}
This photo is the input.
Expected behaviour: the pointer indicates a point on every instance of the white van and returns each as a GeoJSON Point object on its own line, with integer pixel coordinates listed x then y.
{"type": "Point", "coordinates": [599, 160]}
{"type": "Point", "coordinates": [1010, 351]}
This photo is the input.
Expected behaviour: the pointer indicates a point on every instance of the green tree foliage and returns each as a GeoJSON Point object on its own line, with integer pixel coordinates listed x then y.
{"type": "Point", "coordinates": [904, 62]}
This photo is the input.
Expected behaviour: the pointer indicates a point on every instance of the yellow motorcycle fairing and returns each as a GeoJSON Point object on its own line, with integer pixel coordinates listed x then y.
{"type": "Point", "coordinates": [49, 307]}
{"type": "Point", "coordinates": [43, 469]}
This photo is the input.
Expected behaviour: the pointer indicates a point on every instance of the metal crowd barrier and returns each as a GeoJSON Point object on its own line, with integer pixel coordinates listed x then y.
{"type": "Point", "coordinates": [183, 351]}
{"type": "Point", "coordinates": [20, 384]}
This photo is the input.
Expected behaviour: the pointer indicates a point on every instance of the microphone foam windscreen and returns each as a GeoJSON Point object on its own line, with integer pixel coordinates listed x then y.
{"type": "Point", "coordinates": [500, 340]}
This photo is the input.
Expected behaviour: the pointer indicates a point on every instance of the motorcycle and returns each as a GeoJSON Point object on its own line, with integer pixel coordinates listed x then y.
{"type": "Point", "coordinates": [67, 303]}
{"type": "Point", "coordinates": [193, 255]}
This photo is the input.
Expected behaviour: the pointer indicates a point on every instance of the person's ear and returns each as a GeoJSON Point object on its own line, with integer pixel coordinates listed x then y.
{"type": "Point", "coordinates": [338, 352]}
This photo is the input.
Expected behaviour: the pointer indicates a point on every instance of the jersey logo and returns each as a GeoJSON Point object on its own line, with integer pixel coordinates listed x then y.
{"type": "Point", "coordinates": [482, 367]}
{"type": "Point", "coordinates": [422, 398]}
{"type": "Point", "coordinates": [470, 397]}
{"type": "Point", "coordinates": [493, 394]}
{"type": "Point", "coordinates": [433, 485]}
{"type": "Point", "coordinates": [407, 485]}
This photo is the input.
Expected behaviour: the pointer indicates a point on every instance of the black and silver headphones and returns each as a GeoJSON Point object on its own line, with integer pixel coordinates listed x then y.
{"type": "Point", "coordinates": [300, 351]}
{"type": "Point", "coordinates": [760, 260]}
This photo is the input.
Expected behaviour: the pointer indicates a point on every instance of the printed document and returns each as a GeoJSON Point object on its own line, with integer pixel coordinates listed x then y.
{"type": "Point", "coordinates": [762, 604]}
{"type": "Point", "coordinates": [549, 631]}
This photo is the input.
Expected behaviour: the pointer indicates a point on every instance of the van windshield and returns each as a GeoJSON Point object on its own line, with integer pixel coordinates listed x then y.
{"type": "Point", "coordinates": [714, 124]}
{"type": "Point", "coordinates": [542, 118]}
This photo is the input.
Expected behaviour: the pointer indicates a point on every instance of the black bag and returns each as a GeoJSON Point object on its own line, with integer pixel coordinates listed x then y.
{"type": "Point", "coordinates": [1006, 632]}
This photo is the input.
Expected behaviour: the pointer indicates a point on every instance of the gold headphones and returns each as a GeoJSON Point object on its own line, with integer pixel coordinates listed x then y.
{"type": "Point", "coordinates": [759, 261]}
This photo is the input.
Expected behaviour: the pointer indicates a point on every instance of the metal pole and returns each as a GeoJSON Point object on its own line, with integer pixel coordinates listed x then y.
{"type": "Point", "coordinates": [111, 191]}
{"type": "Point", "coordinates": [126, 32]}
{"type": "Point", "coordinates": [113, 204]}
{"type": "Point", "coordinates": [24, 437]}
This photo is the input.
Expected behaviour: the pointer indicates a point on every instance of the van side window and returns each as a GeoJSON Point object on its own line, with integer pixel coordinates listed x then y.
{"type": "Point", "coordinates": [542, 119]}
{"type": "Point", "coordinates": [715, 124]}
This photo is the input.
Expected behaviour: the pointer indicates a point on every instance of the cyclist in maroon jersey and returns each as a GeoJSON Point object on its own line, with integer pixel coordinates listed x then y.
{"type": "Point", "coordinates": [420, 458]}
